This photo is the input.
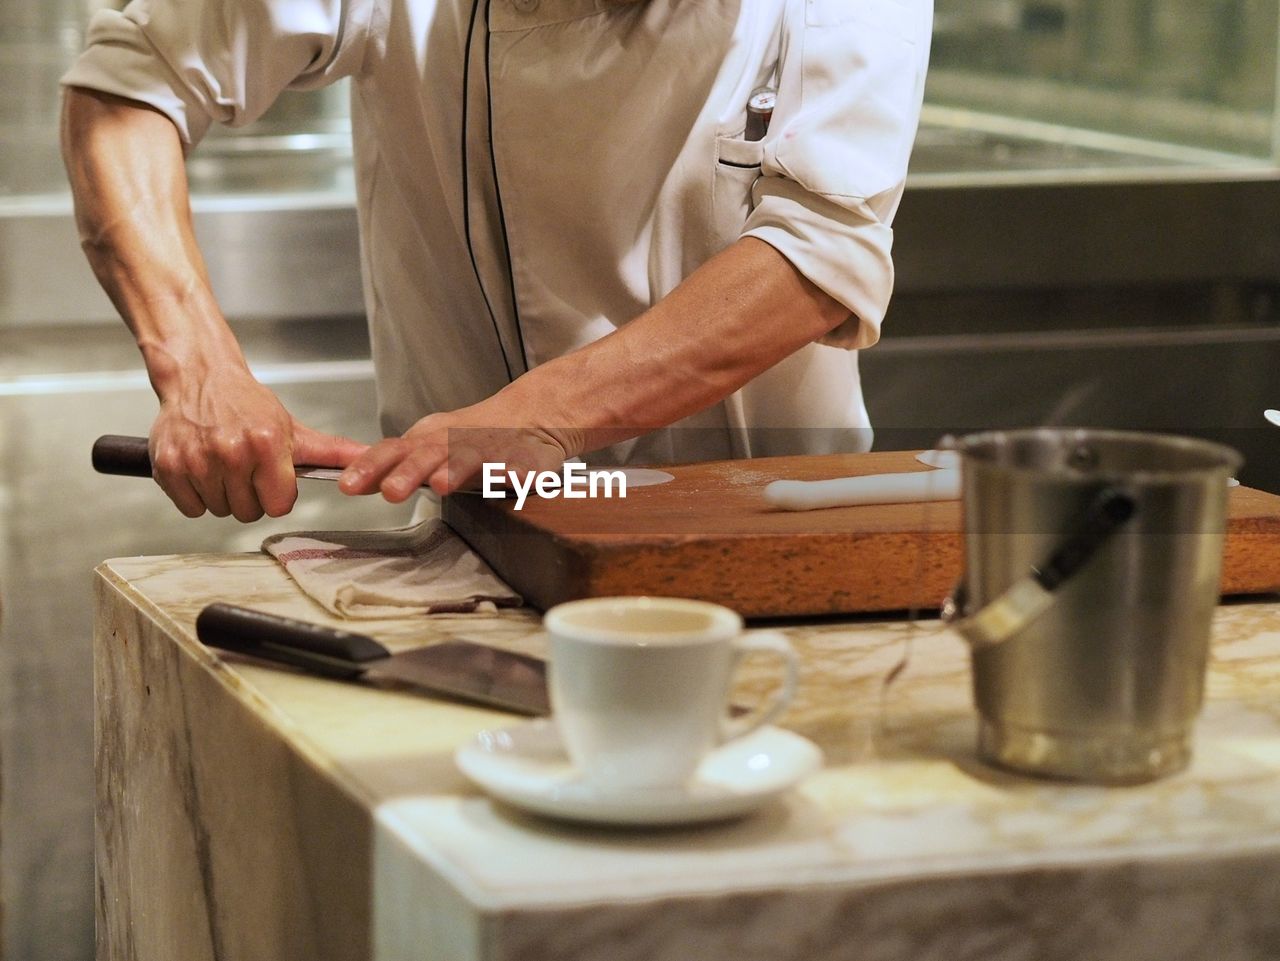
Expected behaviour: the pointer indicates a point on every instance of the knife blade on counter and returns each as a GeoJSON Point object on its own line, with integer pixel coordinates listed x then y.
{"type": "Point", "coordinates": [130, 457]}
{"type": "Point", "coordinates": [456, 669]}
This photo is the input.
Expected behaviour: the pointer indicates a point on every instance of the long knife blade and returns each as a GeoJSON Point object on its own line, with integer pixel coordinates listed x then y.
{"type": "Point", "coordinates": [455, 669]}
{"type": "Point", "coordinates": [473, 672]}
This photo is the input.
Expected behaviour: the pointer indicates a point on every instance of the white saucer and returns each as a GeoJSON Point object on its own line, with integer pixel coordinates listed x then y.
{"type": "Point", "coordinates": [526, 766]}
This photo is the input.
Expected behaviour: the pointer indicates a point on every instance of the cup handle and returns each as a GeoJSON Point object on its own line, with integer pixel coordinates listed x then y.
{"type": "Point", "coordinates": [774, 643]}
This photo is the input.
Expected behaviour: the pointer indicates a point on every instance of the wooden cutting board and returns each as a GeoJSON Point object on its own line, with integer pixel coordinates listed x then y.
{"type": "Point", "coordinates": [709, 534]}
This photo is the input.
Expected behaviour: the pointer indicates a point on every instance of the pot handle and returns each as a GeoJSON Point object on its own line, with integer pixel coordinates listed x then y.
{"type": "Point", "coordinates": [1033, 593]}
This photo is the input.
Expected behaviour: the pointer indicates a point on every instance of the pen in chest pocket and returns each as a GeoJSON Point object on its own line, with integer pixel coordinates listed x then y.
{"type": "Point", "coordinates": [759, 112]}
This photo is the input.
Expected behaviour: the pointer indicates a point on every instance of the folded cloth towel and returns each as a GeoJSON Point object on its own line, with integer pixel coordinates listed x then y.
{"type": "Point", "coordinates": [424, 569]}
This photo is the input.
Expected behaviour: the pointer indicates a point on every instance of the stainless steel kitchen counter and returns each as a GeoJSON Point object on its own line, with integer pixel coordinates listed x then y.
{"type": "Point", "coordinates": [250, 812]}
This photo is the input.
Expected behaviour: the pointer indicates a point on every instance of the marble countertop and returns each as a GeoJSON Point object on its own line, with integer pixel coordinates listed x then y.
{"type": "Point", "coordinates": [904, 842]}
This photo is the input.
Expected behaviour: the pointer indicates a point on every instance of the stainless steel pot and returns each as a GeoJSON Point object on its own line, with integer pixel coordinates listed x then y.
{"type": "Point", "coordinates": [1097, 671]}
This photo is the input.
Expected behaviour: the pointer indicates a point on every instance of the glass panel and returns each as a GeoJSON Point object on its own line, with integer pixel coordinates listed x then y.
{"type": "Point", "coordinates": [37, 40]}
{"type": "Point", "coordinates": [1028, 87]}
{"type": "Point", "coordinates": [1035, 85]}
{"type": "Point", "coordinates": [302, 144]}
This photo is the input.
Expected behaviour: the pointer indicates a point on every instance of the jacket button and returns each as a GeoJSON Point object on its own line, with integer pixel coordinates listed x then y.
{"type": "Point", "coordinates": [525, 6]}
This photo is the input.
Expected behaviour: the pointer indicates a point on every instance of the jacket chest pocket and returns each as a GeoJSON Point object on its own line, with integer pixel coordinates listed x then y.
{"type": "Point", "coordinates": [737, 169]}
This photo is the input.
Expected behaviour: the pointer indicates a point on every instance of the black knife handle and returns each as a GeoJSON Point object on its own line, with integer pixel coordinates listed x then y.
{"type": "Point", "coordinates": [118, 454]}
{"type": "Point", "coordinates": [131, 456]}
{"type": "Point", "coordinates": [312, 647]}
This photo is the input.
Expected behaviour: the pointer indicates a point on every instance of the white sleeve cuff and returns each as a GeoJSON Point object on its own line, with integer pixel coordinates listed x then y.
{"type": "Point", "coordinates": [119, 60]}
{"type": "Point", "coordinates": [201, 61]}
{"type": "Point", "coordinates": [842, 248]}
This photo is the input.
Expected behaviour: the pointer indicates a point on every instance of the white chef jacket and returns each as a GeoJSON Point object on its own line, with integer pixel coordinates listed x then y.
{"type": "Point", "coordinates": [532, 174]}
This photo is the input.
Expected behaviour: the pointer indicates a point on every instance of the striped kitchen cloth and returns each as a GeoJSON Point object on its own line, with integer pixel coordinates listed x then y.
{"type": "Point", "coordinates": [423, 569]}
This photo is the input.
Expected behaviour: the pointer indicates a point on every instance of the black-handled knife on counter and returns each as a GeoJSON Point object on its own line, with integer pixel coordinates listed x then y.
{"type": "Point", "coordinates": [455, 669]}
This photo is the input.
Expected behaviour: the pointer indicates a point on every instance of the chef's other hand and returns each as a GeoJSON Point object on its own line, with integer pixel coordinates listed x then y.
{"type": "Point", "coordinates": [449, 450]}
{"type": "Point", "coordinates": [229, 447]}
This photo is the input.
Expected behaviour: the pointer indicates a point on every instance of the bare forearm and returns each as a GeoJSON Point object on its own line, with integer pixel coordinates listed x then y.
{"type": "Point", "coordinates": [735, 317]}
{"type": "Point", "coordinates": [125, 165]}
{"type": "Point", "coordinates": [222, 441]}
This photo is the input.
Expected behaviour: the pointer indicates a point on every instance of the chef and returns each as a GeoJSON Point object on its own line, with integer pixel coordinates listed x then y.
{"type": "Point", "coordinates": [573, 240]}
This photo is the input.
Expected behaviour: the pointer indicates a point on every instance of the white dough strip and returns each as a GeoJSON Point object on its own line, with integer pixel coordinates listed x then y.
{"type": "Point", "coordinates": [908, 488]}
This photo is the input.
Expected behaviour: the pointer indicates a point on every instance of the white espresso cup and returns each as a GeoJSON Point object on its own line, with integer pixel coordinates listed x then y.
{"type": "Point", "coordinates": [640, 686]}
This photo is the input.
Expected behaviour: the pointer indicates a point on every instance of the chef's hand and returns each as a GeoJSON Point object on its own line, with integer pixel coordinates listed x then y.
{"type": "Point", "coordinates": [227, 445]}
{"type": "Point", "coordinates": [448, 450]}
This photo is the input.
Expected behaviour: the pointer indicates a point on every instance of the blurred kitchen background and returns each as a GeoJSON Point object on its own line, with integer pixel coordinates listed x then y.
{"type": "Point", "coordinates": [1091, 236]}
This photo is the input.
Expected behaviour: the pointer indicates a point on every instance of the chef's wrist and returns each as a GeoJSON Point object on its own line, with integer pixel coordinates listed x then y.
{"type": "Point", "coordinates": [177, 368]}
{"type": "Point", "coordinates": [558, 396]}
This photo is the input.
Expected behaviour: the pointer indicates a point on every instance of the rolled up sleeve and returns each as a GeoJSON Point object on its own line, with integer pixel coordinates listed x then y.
{"type": "Point", "coordinates": [835, 159]}
{"type": "Point", "coordinates": [225, 61]}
